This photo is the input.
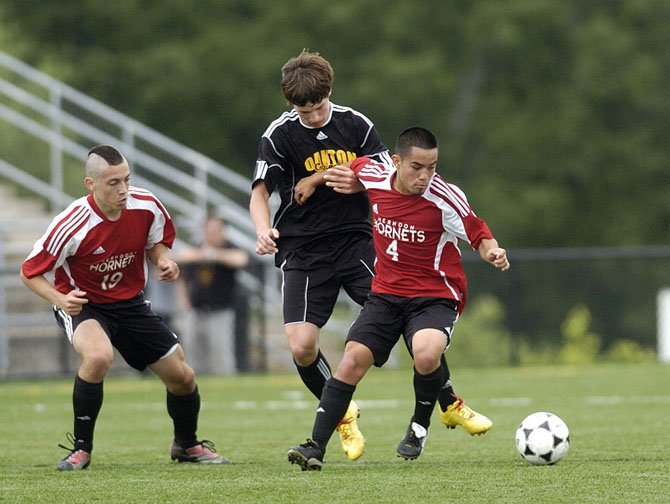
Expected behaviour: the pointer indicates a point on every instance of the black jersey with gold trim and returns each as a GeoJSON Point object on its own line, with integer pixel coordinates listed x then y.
{"type": "Point", "coordinates": [290, 151]}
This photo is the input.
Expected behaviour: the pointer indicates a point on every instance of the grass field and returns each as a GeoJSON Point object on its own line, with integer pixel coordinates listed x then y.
{"type": "Point", "coordinates": [618, 417]}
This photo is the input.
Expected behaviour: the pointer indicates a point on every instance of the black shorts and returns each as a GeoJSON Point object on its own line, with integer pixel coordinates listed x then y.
{"type": "Point", "coordinates": [313, 276]}
{"type": "Point", "coordinates": [140, 336]}
{"type": "Point", "coordinates": [384, 318]}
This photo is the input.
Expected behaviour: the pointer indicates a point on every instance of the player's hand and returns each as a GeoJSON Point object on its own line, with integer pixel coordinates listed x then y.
{"type": "Point", "coordinates": [498, 257]}
{"type": "Point", "coordinates": [343, 180]}
{"type": "Point", "coordinates": [168, 270]}
{"type": "Point", "coordinates": [73, 302]}
{"type": "Point", "coordinates": [303, 190]}
{"type": "Point", "coordinates": [265, 243]}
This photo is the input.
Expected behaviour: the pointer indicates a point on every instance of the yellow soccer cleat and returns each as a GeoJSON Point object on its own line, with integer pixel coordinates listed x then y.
{"type": "Point", "coordinates": [353, 442]}
{"type": "Point", "coordinates": [458, 413]}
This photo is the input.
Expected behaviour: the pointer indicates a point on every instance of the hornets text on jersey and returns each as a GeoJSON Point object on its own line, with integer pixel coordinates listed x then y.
{"type": "Point", "coordinates": [416, 237]}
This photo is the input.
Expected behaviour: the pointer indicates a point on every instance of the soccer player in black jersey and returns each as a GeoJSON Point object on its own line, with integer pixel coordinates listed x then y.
{"type": "Point", "coordinates": [322, 238]}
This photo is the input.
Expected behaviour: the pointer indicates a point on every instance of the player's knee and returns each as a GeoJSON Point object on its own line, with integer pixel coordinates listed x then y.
{"type": "Point", "coordinates": [97, 362]}
{"type": "Point", "coordinates": [425, 363]}
{"type": "Point", "coordinates": [303, 349]}
{"type": "Point", "coordinates": [304, 356]}
{"type": "Point", "coordinates": [354, 364]}
{"type": "Point", "coordinates": [181, 382]}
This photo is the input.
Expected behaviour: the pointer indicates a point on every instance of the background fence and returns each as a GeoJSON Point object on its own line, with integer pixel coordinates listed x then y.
{"type": "Point", "coordinates": [602, 297]}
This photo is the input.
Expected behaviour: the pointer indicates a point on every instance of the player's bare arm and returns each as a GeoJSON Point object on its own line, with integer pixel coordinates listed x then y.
{"type": "Point", "coordinates": [233, 258]}
{"type": "Point", "coordinates": [306, 187]}
{"type": "Point", "coordinates": [259, 209]}
{"type": "Point", "coordinates": [343, 179]}
{"type": "Point", "coordinates": [71, 302]}
{"type": "Point", "coordinates": [491, 252]}
{"type": "Point", "coordinates": [168, 269]}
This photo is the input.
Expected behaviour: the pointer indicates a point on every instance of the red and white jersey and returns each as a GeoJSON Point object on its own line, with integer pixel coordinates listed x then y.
{"type": "Point", "coordinates": [104, 258]}
{"type": "Point", "coordinates": [416, 237]}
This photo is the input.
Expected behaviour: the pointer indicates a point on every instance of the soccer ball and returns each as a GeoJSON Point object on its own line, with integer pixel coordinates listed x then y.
{"type": "Point", "coordinates": [542, 438]}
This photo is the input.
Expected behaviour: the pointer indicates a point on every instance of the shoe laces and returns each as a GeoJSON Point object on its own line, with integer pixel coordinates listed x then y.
{"type": "Point", "coordinates": [344, 428]}
{"type": "Point", "coordinates": [70, 439]}
{"type": "Point", "coordinates": [75, 455]}
{"type": "Point", "coordinates": [309, 444]}
{"type": "Point", "coordinates": [462, 409]}
{"type": "Point", "coordinates": [206, 445]}
{"type": "Point", "coordinates": [411, 439]}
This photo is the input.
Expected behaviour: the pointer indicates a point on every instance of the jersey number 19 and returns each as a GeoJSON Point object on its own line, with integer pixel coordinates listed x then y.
{"type": "Point", "coordinates": [110, 281]}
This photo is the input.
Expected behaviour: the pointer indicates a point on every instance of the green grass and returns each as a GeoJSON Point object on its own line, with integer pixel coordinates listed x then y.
{"type": "Point", "coordinates": [618, 418]}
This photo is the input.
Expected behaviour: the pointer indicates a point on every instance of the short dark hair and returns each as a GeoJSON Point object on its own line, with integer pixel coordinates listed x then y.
{"type": "Point", "coordinates": [306, 78]}
{"type": "Point", "coordinates": [108, 153]}
{"type": "Point", "coordinates": [415, 136]}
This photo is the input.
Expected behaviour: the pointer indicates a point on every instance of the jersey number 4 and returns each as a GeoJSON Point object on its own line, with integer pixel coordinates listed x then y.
{"type": "Point", "coordinates": [110, 281]}
{"type": "Point", "coordinates": [392, 250]}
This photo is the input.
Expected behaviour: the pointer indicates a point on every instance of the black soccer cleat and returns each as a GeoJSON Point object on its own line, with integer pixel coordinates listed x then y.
{"type": "Point", "coordinates": [307, 455]}
{"type": "Point", "coordinates": [412, 444]}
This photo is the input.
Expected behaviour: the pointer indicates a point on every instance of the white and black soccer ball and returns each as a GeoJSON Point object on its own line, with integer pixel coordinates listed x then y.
{"type": "Point", "coordinates": [542, 438]}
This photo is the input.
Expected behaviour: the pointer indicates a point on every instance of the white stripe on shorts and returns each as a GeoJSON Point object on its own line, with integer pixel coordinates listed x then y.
{"type": "Point", "coordinates": [66, 321]}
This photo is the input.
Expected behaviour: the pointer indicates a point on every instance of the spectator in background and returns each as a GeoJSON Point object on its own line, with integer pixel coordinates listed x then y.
{"type": "Point", "coordinates": [162, 296]}
{"type": "Point", "coordinates": [208, 291]}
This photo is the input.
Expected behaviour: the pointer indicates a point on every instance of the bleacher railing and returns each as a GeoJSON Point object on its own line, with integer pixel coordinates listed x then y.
{"type": "Point", "coordinates": [68, 122]}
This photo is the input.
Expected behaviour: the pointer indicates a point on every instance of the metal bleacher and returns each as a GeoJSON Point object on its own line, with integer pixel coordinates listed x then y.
{"type": "Point", "coordinates": [61, 124]}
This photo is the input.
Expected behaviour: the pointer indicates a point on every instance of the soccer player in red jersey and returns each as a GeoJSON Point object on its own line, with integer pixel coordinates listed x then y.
{"type": "Point", "coordinates": [419, 287]}
{"type": "Point", "coordinates": [97, 249]}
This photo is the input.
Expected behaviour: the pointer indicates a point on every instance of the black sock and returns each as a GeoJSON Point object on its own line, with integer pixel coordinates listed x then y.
{"type": "Point", "coordinates": [315, 375]}
{"type": "Point", "coordinates": [86, 401]}
{"type": "Point", "coordinates": [426, 388]}
{"type": "Point", "coordinates": [184, 411]}
{"type": "Point", "coordinates": [447, 395]}
{"type": "Point", "coordinates": [332, 407]}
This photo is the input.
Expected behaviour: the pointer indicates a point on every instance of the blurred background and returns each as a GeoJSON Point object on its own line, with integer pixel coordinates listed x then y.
{"type": "Point", "coordinates": [553, 116]}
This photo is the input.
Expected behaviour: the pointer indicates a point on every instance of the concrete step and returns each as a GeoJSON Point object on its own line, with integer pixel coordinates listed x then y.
{"type": "Point", "coordinates": [20, 299]}
{"type": "Point", "coordinates": [22, 222]}
{"type": "Point", "coordinates": [31, 333]}
{"type": "Point", "coordinates": [12, 205]}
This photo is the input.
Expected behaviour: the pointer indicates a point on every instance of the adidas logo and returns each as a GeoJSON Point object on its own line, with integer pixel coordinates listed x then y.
{"type": "Point", "coordinates": [99, 250]}
{"type": "Point", "coordinates": [321, 136]}
{"type": "Point", "coordinates": [320, 410]}
{"type": "Point", "coordinates": [375, 208]}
